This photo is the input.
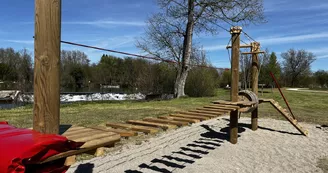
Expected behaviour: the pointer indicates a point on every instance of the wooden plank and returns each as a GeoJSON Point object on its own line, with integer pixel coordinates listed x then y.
{"type": "Point", "coordinates": [190, 116]}
{"type": "Point", "coordinates": [197, 114]}
{"type": "Point", "coordinates": [156, 120]}
{"type": "Point", "coordinates": [74, 132]}
{"type": "Point", "coordinates": [189, 120]}
{"type": "Point", "coordinates": [221, 108]}
{"type": "Point", "coordinates": [133, 127]}
{"type": "Point", "coordinates": [239, 103]}
{"type": "Point", "coordinates": [122, 132]}
{"type": "Point", "coordinates": [262, 100]}
{"type": "Point", "coordinates": [226, 106]}
{"type": "Point", "coordinates": [220, 111]}
{"type": "Point", "coordinates": [91, 136]}
{"type": "Point", "coordinates": [152, 124]}
{"type": "Point", "coordinates": [289, 118]}
{"type": "Point", "coordinates": [216, 113]}
{"type": "Point", "coordinates": [97, 143]}
{"type": "Point", "coordinates": [46, 113]}
{"type": "Point", "coordinates": [70, 160]}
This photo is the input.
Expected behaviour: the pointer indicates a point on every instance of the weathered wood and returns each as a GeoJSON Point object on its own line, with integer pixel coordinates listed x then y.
{"type": "Point", "coordinates": [189, 120]}
{"type": "Point", "coordinates": [226, 106]}
{"type": "Point", "coordinates": [215, 110]}
{"type": "Point", "coordinates": [239, 103]}
{"type": "Point", "coordinates": [197, 114]}
{"type": "Point", "coordinates": [47, 36]}
{"type": "Point", "coordinates": [70, 160]}
{"type": "Point", "coordinates": [235, 32]}
{"type": "Point", "coordinates": [122, 132]}
{"type": "Point", "coordinates": [255, 82]}
{"type": "Point", "coordinates": [143, 129]}
{"type": "Point", "coordinates": [241, 46]}
{"type": "Point", "coordinates": [247, 53]}
{"type": "Point", "coordinates": [222, 108]}
{"type": "Point", "coordinates": [156, 120]}
{"type": "Point", "coordinates": [91, 136]}
{"type": "Point", "coordinates": [262, 100]}
{"type": "Point", "coordinates": [289, 118]}
{"type": "Point", "coordinates": [96, 144]}
{"type": "Point", "coordinates": [76, 132]}
{"type": "Point", "coordinates": [190, 116]}
{"type": "Point", "coordinates": [215, 113]}
{"type": "Point", "coordinates": [152, 124]}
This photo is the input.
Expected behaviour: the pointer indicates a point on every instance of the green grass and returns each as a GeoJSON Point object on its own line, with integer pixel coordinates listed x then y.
{"type": "Point", "coordinates": [309, 107]}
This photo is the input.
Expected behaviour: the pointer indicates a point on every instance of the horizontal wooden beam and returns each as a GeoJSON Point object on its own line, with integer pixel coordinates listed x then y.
{"type": "Point", "coordinates": [241, 46]}
{"type": "Point", "coordinates": [247, 53]}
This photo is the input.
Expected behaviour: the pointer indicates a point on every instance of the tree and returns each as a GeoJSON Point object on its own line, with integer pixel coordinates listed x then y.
{"type": "Point", "coordinates": [269, 64]}
{"type": "Point", "coordinates": [321, 78]}
{"type": "Point", "coordinates": [74, 69]}
{"type": "Point", "coordinates": [296, 63]}
{"type": "Point", "coordinates": [170, 32]}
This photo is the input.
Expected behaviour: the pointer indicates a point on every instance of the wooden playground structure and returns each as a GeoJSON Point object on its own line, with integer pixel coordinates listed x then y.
{"type": "Point", "coordinates": [46, 114]}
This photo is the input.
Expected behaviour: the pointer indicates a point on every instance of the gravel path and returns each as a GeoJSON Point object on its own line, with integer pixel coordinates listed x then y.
{"type": "Point", "coordinates": [203, 147]}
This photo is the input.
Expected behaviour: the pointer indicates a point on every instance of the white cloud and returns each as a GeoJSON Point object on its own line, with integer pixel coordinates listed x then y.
{"type": "Point", "coordinates": [214, 48]}
{"type": "Point", "coordinates": [106, 23]}
{"type": "Point", "coordinates": [20, 41]}
{"type": "Point", "coordinates": [291, 39]}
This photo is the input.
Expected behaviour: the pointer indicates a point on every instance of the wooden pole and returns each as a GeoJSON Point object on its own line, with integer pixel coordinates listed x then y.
{"type": "Point", "coordinates": [255, 81]}
{"type": "Point", "coordinates": [235, 34]}
{"type": "Point", "coordinates": [47, 66]}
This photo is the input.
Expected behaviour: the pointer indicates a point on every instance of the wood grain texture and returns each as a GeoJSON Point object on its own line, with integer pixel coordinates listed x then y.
{"type": "Point", "coordinates": [235, 37]}
{"type": "Point", "coordinates": [156, 120]}
{"type": "Point", "coordinates": [152, 124]}
{"type": "Point", "coordinates": [143, 129]}
{"type": "Point", "coordinates": [255, 82]}
{"type": "Point", "coordinates": [190, 116]}
{"type": "Point", "coordinates": [189, 120]}
{"type": "Point", "coordinates": [47, 36]}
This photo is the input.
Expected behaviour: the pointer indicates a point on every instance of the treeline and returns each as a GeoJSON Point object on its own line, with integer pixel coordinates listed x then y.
{"type": "Point", "coordinates": [140, 75]}
{"type": "Point", "coordinates": [134, 74]}
{"type": "Point", "coordinates": [294, 70]}
{"type": "Point", "coordinates": [131, 74]}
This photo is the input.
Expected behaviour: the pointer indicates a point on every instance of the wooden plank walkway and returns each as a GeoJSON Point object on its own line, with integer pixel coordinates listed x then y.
{"type": "Point", "coordinates": [96, 138]}
{"type": "Point", "coordinates": [94, 142]}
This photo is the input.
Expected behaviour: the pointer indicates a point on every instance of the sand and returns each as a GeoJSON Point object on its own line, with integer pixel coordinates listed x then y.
{"type": "Point", "coordinates": [203, 147]}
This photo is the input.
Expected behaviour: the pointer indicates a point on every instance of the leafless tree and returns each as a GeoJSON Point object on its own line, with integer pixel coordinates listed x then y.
{"type": "Point", "coordinates": [170, 32]}
{"type": "Point", "coordinates": [296, 63]}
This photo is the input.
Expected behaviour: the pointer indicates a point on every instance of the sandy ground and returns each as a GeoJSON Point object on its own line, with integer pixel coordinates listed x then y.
{"type": "Point", "coordinates": [275, 148]}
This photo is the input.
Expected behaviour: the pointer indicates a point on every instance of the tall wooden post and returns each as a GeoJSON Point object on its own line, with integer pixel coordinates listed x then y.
{"type": "Point", "coordinates": [235, 34]}
{"type": "Point", "coordinates": [255, 80]}
{"type": "Point", "coordinates": [47, 66]}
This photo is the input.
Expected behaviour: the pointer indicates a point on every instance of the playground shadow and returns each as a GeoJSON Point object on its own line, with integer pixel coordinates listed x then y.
{"type": "Point", "coordinates": [188, 154]}
{"type": "Point", "coordinates": [249, 126]}
{"type": "Point", "coordinates": [85, 168]}
{"type": "Point", "coordinates": [63, 128]}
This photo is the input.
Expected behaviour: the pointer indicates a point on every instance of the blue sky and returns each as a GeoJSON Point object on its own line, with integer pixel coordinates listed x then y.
{"type": "Point", "coordinates": [113, 24]}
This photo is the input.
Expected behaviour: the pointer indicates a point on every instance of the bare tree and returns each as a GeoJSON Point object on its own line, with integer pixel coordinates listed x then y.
{"type": "Point", "coordinates": [170, 32]}
{"type": "Point", "coordinates": [296, 63]}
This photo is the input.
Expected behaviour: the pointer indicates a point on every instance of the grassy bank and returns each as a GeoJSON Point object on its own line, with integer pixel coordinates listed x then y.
{"type": "Point", "coordinates": [309, 107]}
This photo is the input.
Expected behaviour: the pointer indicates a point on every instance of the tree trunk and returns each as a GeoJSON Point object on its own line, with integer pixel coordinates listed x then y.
{"type": "Point", "coordinates": [187, 44]}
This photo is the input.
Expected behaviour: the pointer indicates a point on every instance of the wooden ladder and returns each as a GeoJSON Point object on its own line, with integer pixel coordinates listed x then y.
{"type": "Point", "coordinates": [287, 115]}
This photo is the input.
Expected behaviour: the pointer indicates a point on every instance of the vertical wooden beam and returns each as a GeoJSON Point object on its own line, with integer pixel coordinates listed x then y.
{"type": "Point", "coordinates": [47, 66]}
{"type": "Point", "coordinates": [235, 36]}
{"type": "Point", "coordinates": [255, 81]}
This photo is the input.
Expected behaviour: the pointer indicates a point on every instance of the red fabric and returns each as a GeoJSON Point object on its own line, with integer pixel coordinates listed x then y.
{"type": "Point", "coordinates": [22, 149]}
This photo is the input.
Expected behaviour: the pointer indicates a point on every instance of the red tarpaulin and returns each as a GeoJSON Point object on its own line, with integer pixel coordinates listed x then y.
{"type": "Point", "coordinates": [22, 149]}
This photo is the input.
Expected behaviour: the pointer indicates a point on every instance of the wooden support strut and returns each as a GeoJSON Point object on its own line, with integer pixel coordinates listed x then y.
{"type": "Point", "coordinates": [47, 66]}
{"type": "Point", "coordinates": [235, 37]}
